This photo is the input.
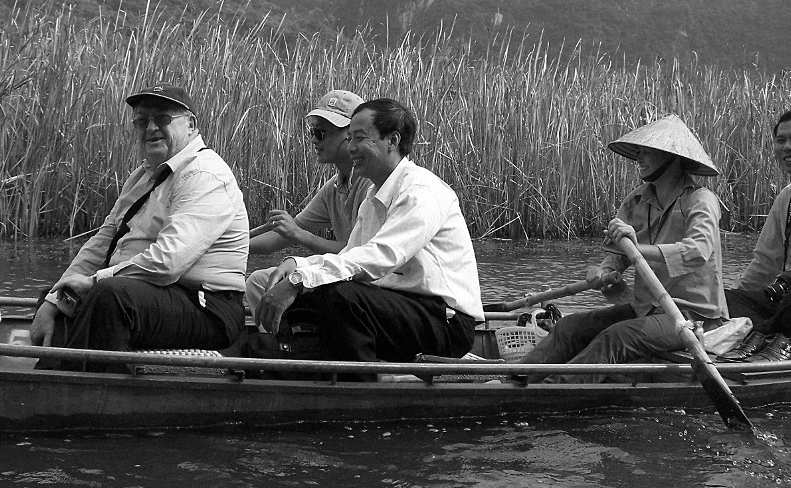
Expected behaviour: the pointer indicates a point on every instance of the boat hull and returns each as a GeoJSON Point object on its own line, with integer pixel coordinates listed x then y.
{"type": "Point", "coordinates": [53, 400]}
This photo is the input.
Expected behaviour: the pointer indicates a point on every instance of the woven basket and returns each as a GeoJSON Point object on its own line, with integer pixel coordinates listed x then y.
{"type": "Point", "coordinates": [515, 342]}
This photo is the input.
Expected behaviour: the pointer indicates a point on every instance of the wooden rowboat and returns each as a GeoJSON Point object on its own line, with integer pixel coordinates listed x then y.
{"type": "Point", "coordinates": [58, 400]}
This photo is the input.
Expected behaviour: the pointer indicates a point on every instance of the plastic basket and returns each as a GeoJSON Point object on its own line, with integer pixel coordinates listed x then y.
{"type": "Point", "coordinates": [515, 342]}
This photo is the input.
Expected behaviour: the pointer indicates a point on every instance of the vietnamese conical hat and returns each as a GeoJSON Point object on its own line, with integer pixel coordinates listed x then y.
{"type": "Point", "coordinates": [668, 134]}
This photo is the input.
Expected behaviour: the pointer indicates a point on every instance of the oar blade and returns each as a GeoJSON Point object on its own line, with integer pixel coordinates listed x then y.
{"type": "Point", "coordinates": [724, 400]}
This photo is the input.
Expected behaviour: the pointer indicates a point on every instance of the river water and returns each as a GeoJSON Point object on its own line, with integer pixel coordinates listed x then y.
{"type": "Point", "coordinates": [634, 448]}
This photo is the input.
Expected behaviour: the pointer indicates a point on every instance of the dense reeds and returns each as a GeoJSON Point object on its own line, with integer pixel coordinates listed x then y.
{"type": "Point", "coordinates": [519, 133]}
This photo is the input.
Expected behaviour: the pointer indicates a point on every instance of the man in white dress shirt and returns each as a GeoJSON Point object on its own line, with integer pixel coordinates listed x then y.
{"type": "Point", "coordinates": [407, 280]}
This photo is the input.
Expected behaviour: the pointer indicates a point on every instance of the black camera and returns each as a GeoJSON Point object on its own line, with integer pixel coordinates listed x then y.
{"type": "Point", "coordinates": [779, 288]}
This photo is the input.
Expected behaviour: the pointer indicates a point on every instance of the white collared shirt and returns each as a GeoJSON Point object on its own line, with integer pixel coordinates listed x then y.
{"type": "Point", "coordinates": [410, 235]}
{"type": "Point", "coordinates": [193, 229]}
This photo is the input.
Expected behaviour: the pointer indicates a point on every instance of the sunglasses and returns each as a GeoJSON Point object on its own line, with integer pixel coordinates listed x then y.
{"type": "Point", "coordinates": [318, 133]}
{"type": "Point", "coordinates": [160, 120]}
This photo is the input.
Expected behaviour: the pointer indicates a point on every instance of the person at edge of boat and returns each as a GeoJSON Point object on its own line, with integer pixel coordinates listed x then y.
{"type": "Point", "coordinates": [335, 205]}
{"type": "Point", "coordinates": [407, 280]}
{"type": "Point", "coordinates": [166, 268]}
{"type": "Point", "coordinates": [763, 291]}
{"type": "Point", "coordinates": [675, 224]}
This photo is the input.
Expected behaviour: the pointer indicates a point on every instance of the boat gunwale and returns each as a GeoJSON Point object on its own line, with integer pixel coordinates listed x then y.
{"type": "Point", "coordinates": [419, 369]}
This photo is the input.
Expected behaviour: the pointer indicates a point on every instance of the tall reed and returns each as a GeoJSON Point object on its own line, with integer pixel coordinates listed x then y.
{"type": "Point", "coordinates": [520, 132]}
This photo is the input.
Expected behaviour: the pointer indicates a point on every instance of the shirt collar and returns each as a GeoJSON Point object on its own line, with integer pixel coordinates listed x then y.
{"type": "Point", "coordinates": [647, 191]}
{"type": "Point", "coordinates": [344, 185]}
{"type": "Point", "coordinates": [387, 191]}
{"type": "Point", "coordinates": [181, 158]}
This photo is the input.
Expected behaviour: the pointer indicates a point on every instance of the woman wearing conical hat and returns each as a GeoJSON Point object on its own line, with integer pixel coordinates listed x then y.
{"type": "Point", "coordinates": [675, 223]}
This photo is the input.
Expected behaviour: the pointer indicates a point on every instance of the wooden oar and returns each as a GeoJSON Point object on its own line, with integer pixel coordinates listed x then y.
{"type": "Point", "coordinates": [31, 302]}
{"type": "Point", "coordinates": [18, 302]}
{"type": "Point", "coordinates": [726, 403]}
{"type": "Point", "coordinates": [543, 296]}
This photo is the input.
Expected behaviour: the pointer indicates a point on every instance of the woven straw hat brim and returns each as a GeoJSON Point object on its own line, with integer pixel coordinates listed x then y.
{"type": "Point", "coordinates": [671, 135]}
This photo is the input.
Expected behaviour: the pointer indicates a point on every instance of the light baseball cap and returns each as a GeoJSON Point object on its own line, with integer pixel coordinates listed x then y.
{"type": "Point", "coordinates": [337, 107]}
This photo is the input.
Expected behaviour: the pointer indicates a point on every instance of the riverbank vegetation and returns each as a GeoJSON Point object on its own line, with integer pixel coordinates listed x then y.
{"type": "Point", "coordinates": [519, 133]}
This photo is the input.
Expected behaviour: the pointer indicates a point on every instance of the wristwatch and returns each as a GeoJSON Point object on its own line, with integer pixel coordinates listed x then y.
{"type": "Point", "coordinates": [295, 278]}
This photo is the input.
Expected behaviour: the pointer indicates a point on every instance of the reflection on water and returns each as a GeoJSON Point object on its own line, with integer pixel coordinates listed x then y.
{"type": "Point", "coordinates": [646, 448]}
{"type": "Point", "coordinates": [640, 448]}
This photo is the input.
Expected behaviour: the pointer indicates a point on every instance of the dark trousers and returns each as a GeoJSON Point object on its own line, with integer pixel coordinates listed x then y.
{"type": "Point", "coordinates": [361, 322]}
{"type": "Point", "coordinates": [607, 335]}
{"type": "Point", "coordinates": [767, 317]}
{"type": "Point", "coordinates": [122, 314]}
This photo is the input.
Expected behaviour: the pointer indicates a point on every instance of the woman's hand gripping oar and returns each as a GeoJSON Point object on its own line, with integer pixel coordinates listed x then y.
{"type": "Point", "coordinates": [726, 403]}
{"type": "Point", "coordinates": [563, 291]}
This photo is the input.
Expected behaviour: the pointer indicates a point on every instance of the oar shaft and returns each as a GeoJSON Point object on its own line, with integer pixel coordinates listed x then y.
{"type": "Point", "coordinates": [18, 302]}
{"type": "Point", "coordinates": [658, 291]}
{"type": "Point", "coordinates": [719, 392]}
{"type": "Point", "coordinates": [563, 291]}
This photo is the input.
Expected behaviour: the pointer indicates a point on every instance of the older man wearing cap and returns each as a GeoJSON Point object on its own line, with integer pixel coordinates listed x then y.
{"type": "Point", "coordinates": [335, 205]}
{"type": "Point", "coordinates": [675, 224]}
{"type": "Point", "coordinates": [166, 268]}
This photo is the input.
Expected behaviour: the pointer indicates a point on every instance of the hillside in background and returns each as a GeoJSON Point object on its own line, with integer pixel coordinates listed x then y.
{"type": "Point", "coordinates": [729, 33]}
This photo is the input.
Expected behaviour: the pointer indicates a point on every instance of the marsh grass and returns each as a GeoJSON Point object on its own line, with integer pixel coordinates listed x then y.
{"type": "Point", "coordinates": [519, 133]}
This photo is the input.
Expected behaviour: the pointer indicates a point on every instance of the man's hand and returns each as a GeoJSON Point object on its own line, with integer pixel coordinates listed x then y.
{"type": "Point", "coordinates": [80, 284]}
{"type": "Point", "coordinates": [283, 223]}
{"type": "Point", "coordinates": [281, 272]}
{"type": "Point", "coordinates": [43, 325]}
{"type": "Point", "coordinates": [618, 229]}
{"type": "Point", "coordinates": [274, 303]}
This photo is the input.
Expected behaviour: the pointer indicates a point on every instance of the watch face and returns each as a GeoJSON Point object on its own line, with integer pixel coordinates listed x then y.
{"type": "Point", "coordinates": [295, 278]}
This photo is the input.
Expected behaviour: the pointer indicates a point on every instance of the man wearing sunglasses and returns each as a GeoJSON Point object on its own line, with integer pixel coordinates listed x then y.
{"type": "Point", "coordinates": [333, 208]}
{"type": "Point", "coordinates": [166, 268]}
{"type": "Point", "coordinates": [407, 280]}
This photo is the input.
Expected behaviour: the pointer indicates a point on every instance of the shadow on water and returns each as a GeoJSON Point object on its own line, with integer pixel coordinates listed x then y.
{"type": "Point", "coordinates": [623, 448]}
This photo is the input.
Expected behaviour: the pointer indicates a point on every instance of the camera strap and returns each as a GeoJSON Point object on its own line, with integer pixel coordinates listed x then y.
{"type": "Point", "coordinates": [787, 234]}
{"type": "Point", "coordinates": [123, 228]}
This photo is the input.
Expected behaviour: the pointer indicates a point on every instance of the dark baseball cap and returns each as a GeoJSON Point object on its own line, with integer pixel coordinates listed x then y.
{"type": "Point", "coordinates": [164, 91]}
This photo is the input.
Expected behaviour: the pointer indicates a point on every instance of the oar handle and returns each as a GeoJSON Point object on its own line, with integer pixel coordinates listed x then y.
{"type": "Point", "coordinates": [564, 291]}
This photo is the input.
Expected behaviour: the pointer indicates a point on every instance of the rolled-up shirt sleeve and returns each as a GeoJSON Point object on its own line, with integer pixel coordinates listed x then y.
{"type": "Point", "coordinates": [201, 211]}
{"type": "Point", "coordinates": [412, 221]}
{"type": "Point", "coordinates": [695, 249]}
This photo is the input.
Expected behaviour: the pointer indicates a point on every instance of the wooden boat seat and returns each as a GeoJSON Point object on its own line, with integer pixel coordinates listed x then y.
{"type": "Point", "coordinates": [175, 370]}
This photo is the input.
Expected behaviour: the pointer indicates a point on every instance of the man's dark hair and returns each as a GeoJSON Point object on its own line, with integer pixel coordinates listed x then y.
{"type": "Point", "coordinates": [390, 116]}
{"type": "Point", "coordinates": [783, 118]}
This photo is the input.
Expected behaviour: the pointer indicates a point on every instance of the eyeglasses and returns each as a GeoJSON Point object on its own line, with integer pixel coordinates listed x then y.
{"type": "Point", "coordinates": [160, 120]}
{"type": "Point", "coordinates": [318, 133]}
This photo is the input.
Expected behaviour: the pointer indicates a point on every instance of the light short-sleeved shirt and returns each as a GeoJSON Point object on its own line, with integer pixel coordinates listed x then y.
{"type": "Point", "coordinates": [688, 236]}
{"type": "Point", "coordinates": [192, 230]}
{"type": "Point", "coordinates": [410, 236]}
{"type": "Point", "coordinates": [770, 250]}
{"type": "Point", "coordinates": [335, 206]}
